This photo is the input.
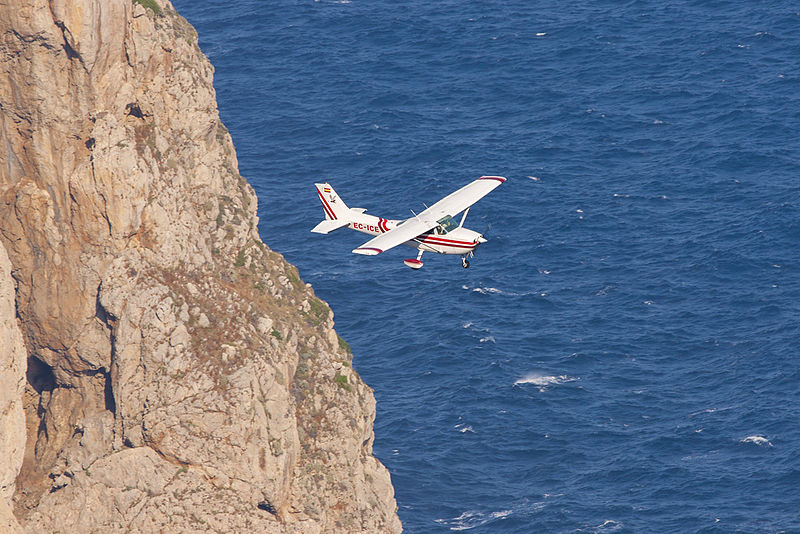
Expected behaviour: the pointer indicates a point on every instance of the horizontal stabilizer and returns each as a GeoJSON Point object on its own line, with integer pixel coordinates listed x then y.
{"type": "Point", "coordinates": [329, 225]}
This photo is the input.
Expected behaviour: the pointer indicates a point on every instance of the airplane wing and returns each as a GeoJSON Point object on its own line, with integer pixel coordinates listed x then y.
{"type": "Point", "coordinates": [452, 204]}
{"type": "Point", "coordinates": [460, 200]}
{"type": "Point", "coordinates": [408, 230]}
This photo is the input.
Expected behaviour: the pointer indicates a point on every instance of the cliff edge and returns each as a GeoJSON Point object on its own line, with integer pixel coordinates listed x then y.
{"type": "Point", "coordinates": [180, 376]}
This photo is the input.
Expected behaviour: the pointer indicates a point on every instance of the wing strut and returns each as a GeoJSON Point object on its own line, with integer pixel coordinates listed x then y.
{"type": "Point", "coordinates": [463, 217]}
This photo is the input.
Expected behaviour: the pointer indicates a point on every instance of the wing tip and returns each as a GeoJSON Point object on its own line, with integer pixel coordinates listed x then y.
{"type": "Point", "coordinates": [367, 251]}
{"type": "Point", "coordinates": [497, 178]}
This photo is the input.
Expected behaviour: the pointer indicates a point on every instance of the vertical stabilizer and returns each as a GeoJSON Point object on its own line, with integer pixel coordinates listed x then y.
{"type": "Point", "coordinates": [334, 207]}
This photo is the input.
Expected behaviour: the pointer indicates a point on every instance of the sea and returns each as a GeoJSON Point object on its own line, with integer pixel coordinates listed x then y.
{"type": "Point", "coordinates": [622, 354]}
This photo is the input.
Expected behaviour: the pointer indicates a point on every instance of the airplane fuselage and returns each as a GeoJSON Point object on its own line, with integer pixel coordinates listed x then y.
{"type": "Point", "coordinates": [434, 229]}
{"type": "Point", "coordinates": [457, 240]}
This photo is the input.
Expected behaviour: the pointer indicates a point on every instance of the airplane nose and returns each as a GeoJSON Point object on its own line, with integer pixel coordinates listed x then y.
{"type": "Point", "coordinates": [481, 240]}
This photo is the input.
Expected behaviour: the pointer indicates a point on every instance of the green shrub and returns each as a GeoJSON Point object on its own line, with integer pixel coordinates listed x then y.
{"type": "Point", "coordinates": [149, 4]}
{"type": "Point", "coordinates": [344, 345]}
{"type": "Point", "coordinates": [240, 259]}
{"type": "Point", "coordinates": [341, 380]}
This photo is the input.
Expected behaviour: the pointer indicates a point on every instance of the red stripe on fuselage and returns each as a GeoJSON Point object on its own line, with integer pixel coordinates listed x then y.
{"type": "Point", "coordinates": [444, 241]}
{"type": "Point", "coordinates": [429, 240]}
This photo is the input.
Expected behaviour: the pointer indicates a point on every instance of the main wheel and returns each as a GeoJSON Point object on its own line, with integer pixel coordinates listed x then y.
{"type": "Point", "coordinates": [465, 263]}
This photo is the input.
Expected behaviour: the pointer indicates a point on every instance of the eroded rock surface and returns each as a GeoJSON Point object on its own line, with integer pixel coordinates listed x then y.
{"type": "Point", "coordinates": [181, 377]}
{"type": "Point", "coordinates": [12, 381]}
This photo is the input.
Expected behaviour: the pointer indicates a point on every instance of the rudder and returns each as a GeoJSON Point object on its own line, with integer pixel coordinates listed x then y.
{"type": "Point", "coordinates": [334, 207]}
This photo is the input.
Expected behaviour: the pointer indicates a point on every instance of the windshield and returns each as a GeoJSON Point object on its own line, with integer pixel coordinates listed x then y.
{"type": "Point", "coordinates": [446, 224]}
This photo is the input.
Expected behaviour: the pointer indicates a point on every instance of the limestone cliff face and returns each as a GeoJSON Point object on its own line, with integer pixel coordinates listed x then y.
{"type": "Point", "coordinates": [180, 375]}
{"type": "Point", "coordinates": [12, 380]}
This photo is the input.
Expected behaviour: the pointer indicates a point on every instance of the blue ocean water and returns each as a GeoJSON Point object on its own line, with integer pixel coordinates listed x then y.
{"type": "Point", "coordinates": [622, 356]}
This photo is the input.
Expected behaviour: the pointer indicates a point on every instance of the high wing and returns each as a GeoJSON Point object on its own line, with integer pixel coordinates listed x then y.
{"type": "Point", "coordinates": [452, 204]}
{"type": "Point", "coordinates": [406, 231]}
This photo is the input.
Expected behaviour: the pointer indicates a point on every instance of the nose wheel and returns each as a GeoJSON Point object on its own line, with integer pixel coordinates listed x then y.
{"type": "Point", "coordinates": [464, 262]}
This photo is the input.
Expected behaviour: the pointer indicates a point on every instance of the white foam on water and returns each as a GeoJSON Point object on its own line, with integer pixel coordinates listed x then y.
{"type": "Point", "coordinates": [501, 514]}
{"type": "Point", "coordinates": [487, 290]}
{"type": "Point", "coordinates": [707, 410]}
{"type": "Point", "coordinates": [487, 339]}
{"type": "Point", "coordinates": [543, 382]}
{"type": "Point", "coordinates": [609, 525]}
{"type": "Point", "coordinates": [472, 519]}
{"type": "Point", "coordinates": [761, 441]}
{"type": "Point", "coordinates": [535, 179]}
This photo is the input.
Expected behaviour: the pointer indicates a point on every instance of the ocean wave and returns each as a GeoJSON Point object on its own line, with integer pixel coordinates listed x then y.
{"type": "Point", "coordinates": [461, 427]}
{"type": "Point", "coordinates": [544, 381]}
{"type": "Point", "coordinates": [475, 518]}
{"type": "Point", "coordinates": [488, 290]}
{"type": "Point", "coordinates": [609, 525]}
{"type": "Point", "coordinates": [761, 441]}
{"type": "Point", "coordinates": [472, 519]}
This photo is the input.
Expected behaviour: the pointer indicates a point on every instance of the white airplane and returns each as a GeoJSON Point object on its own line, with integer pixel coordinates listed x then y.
{"type": "Point", "coordinates": [434, 230]}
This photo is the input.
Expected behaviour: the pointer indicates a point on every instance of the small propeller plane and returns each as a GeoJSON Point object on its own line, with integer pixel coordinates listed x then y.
{"type": "Point", "coordinates": [433, 230]}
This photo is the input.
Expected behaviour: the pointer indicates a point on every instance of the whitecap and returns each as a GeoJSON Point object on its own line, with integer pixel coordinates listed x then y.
{"type": "Point", "coordinates": [761, 441]}
{"type": "Point", "coordinates": [472, 519]}
{"type": "Point", "coordinates": [466, 325]}
{"type": "Point", "coordinates": [487, 339]}
{"type": "Point", "coordinates": [464, 428]}
{"type": "Point", "coordinates": [487, 290]}
{"type": "Point", "coordinates": [544, 381]}
{"type": "Point", "coordinates": [502, 514]}
{"type": "Point", "coordinates": [534, 178]}
{"type": "Point", "coordinates": [541, 34]}
{"type": "Point", "coordinates": [707, 410]}
{"type": "Point", "coordinates": [609, 525]}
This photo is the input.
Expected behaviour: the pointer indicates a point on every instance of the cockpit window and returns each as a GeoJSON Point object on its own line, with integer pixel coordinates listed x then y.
{"type": "Point", "coordinates": [446, 224]}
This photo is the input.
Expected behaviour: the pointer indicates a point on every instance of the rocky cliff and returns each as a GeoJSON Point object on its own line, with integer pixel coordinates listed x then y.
{"type": "Point", "coordinates": [180, 375]}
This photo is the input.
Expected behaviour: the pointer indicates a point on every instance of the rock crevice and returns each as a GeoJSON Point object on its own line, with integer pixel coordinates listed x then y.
{"type": "Point", "coordinates": [180, 375]}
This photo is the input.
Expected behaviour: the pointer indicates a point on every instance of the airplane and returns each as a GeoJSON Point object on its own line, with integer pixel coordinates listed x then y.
{"type": "Point", "coordinates": [432, 230]}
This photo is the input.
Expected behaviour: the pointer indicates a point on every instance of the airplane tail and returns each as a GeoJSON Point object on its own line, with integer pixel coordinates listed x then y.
{"type": "Point", "coordinates": [337, 214]}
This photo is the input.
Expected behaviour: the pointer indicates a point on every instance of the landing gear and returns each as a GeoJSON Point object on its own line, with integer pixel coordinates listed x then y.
{"type": "Point", "coordinates": [465, 259]}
